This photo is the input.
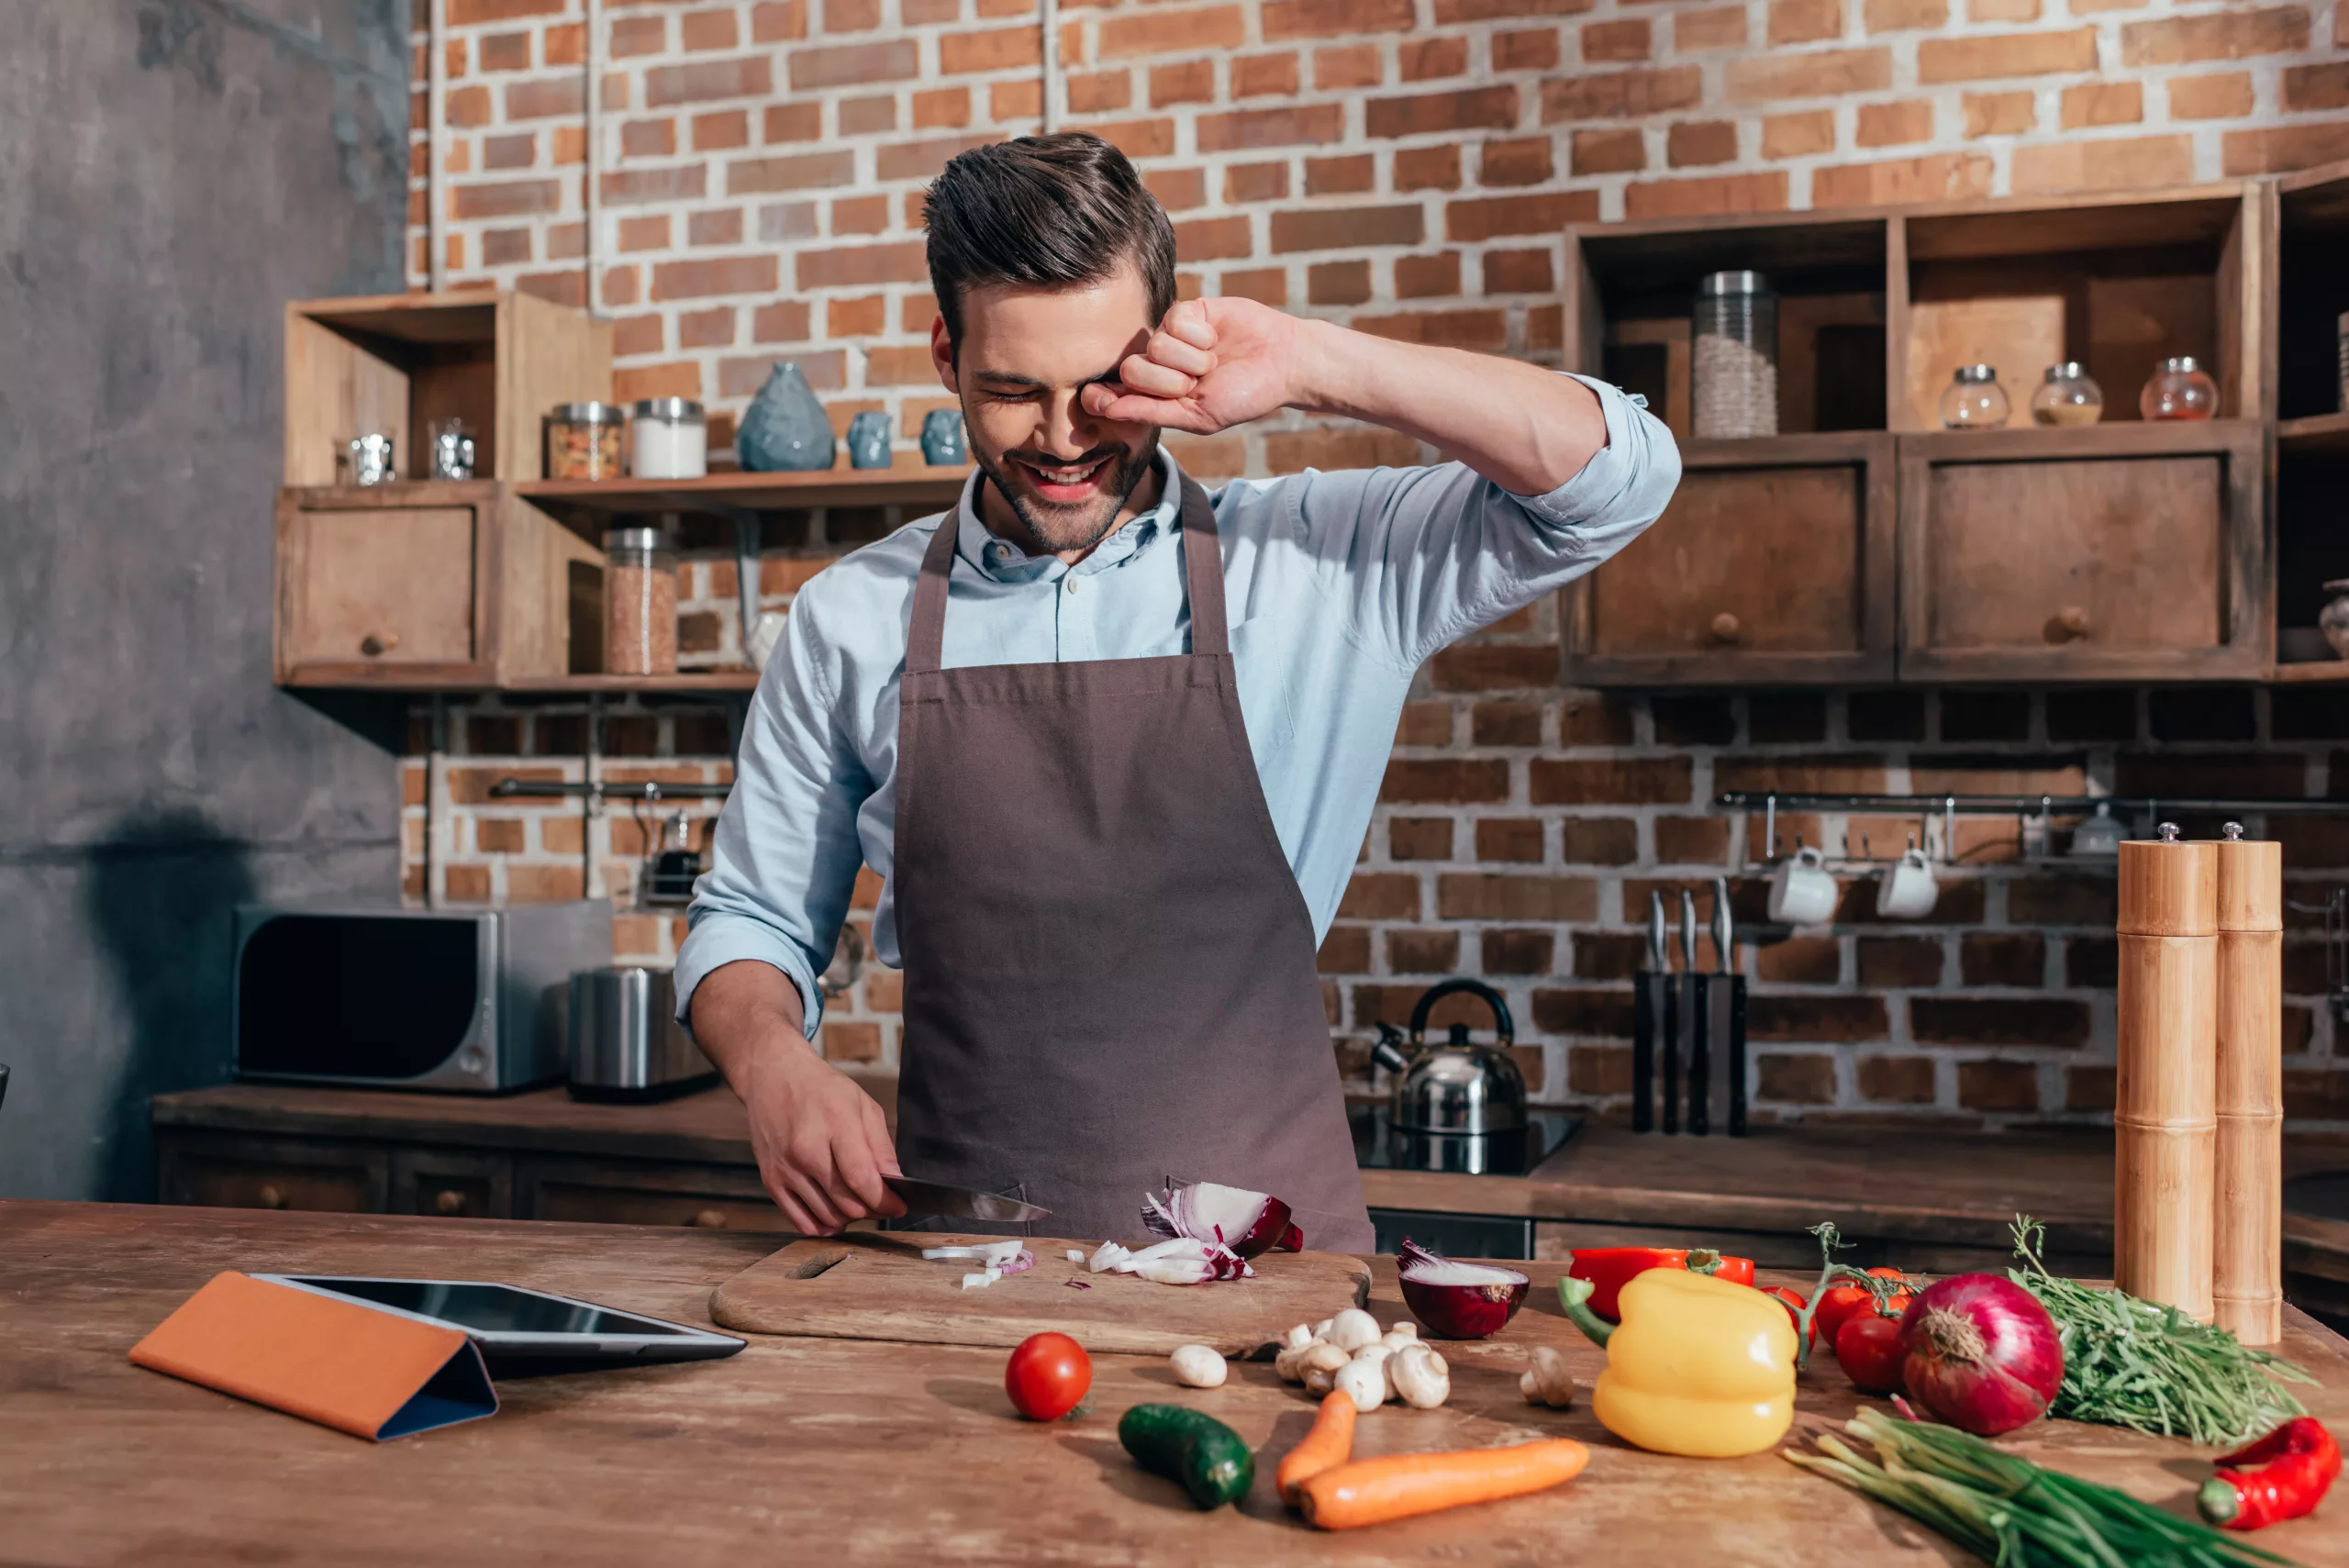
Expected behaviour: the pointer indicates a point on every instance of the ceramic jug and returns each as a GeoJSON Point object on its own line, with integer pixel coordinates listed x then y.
{"type": "Point", "coordinates": [784, 430]}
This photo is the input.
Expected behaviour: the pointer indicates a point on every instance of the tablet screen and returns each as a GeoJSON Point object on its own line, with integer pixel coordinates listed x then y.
{"type": "Point", "coordinates": [490, 1308]}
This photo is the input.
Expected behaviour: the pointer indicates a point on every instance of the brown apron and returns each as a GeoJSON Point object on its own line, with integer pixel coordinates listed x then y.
{"type": "Point", "coordinates": [1110, 970]}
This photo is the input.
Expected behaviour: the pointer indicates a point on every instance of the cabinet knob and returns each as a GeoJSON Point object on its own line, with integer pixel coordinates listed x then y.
{"type": "Point", "coordinates": [271, 1196]}
{"type": "Point", "coordinates": [1725, 628]}
{"type": "Point", "coordinates": [449, 1200]}
{"type": "Point", "coordinates": [710, 1219]}
{"type": "Point", "coordinates": [377, 644]}
{"type": "Point", "coordinates": [2069, 624]}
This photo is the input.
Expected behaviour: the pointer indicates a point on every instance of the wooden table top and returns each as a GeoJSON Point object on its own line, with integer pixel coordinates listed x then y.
{"type": "Point", "coordinates": [827, 1450]}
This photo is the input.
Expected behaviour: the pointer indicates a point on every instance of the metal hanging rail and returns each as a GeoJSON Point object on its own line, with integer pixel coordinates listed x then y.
{"type": "Point", "coordinates": [508, 789]}
{"type": "Point", "coordinates": [2033, 808]}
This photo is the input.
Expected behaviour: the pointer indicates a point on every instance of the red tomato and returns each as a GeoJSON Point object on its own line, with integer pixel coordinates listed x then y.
{"type": "Point", "coordinates": [1788, 1298]}
{"type": "Point", "coordinates": [1839, 1303]}
{"type": "Point", "coordinates": [1048, 1376]}
{"type": "Point", "coordinates": [1868, 1349]}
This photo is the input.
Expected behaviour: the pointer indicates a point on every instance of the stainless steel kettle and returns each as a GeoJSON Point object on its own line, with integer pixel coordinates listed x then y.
{"type": "Point", "coordinates": [1458, 1086]}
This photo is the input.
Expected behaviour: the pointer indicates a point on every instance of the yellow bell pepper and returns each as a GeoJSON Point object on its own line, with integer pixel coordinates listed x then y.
{"type": "Point", "coordinates": [1698, 1367]}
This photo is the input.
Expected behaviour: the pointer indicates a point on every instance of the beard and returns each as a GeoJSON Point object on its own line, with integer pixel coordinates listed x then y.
{"type": "Point", "coordinates": [1060, 525]}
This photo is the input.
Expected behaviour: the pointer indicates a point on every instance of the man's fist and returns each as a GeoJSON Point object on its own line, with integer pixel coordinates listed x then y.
{"type": "Point", "coordinates": [1211, 364]}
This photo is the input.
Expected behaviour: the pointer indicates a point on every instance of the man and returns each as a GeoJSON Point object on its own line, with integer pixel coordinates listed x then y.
{"type": "Point", "coordinates": [1112, 743]}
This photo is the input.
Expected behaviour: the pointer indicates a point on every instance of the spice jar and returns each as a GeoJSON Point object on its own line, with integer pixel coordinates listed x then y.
{"type": "Point", "coordinates": [670, 436]}
{"type": "Point", "coordinates": [1975, 401]}
{"type": "Point", "coordinates": [2179, 390]}
{"type": "Point", "coordinates": [2069, 396]}
{"type": "Point", "coordinates": [639, 602]}
{"type": "Point", "coordinates": [584, 441]}
{"type": "Point", "coordinates": [1733, 357]}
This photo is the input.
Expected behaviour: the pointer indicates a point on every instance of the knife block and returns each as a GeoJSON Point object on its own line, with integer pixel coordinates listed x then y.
{"type": "Point", "coordinates": [2164, 1119]}
{"type": "Point", "coordinates": [2247, 1269]}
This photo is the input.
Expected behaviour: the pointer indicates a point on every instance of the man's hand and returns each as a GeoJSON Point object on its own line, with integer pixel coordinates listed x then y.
{"type": "Point", "coordinates": [821, 1142]}
{"type": "Point", "coordinates": [1211, 364]}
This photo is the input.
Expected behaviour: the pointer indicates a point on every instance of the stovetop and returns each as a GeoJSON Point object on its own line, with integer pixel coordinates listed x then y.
{"type": "Point", "coordinates": [1379, 1147]}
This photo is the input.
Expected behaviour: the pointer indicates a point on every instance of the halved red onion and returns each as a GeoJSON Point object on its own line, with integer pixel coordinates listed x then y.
{"type": "Point", "coordinates": [1457, 1300]}
{"type": "Point", "coordinates": [1248, 1223]}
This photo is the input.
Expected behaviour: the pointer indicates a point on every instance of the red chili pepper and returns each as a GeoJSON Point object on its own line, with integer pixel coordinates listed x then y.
{"type": "Point", "coordinates": [2280, 1476]}
{"type": "Point", "coordinates": [1610, 1269]}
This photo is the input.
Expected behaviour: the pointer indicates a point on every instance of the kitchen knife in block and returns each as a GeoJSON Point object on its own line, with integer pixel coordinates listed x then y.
{"type": "Point", "coordinates": [1716, 1076]}
{"type": "Point", "coordinates": [1690, 1051]}
{"type": "Point", "coordinates": [1651, 1019]}
{"type": "Point", "coordinates": [374, 1374]}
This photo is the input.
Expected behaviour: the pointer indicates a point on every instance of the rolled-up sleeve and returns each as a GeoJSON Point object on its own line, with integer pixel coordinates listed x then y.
{"type": "Point", "coordinates": [784, 860]}
{"type": "Point", "coordinates": [1417, 557]}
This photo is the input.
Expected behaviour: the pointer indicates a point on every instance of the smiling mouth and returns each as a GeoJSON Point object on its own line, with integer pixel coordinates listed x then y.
{"type": "Point", "coordinates": [1067, 482]}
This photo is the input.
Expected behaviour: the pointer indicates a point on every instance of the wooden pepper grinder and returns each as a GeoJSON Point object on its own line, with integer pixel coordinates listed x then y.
{"type": "Point", "coordinates": [2165, 1116]}
{"type": "Point", "coordinates": [2247, 1284]}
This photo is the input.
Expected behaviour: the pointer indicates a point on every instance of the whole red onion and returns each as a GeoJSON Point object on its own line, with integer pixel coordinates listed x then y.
{"type": "Point", "coordinates": [1981, 1353]}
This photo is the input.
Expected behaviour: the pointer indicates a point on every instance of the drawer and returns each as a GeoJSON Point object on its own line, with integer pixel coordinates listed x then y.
{"type": "Point", "coordinates": [1772, 564]}
{"type": "Point", "coordinates": [707, 1197]}
{"type": "Point", "coordinates": [377, 591]}
{"type": "Point", "coordinates": [452, 1183]}
{"type": "Point", "coordinates": [251, 1173]}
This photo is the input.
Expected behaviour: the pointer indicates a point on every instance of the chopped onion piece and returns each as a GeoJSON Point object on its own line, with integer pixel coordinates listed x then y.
{"type": "Point", "coordinates": [1248, 1223]}
{"type": "Point", "coordinates": [1076, 1254]}
{"type": "Point", "coordinates": [987, 1253]}
{"type": "Point", "coordinates": [977, 1282]}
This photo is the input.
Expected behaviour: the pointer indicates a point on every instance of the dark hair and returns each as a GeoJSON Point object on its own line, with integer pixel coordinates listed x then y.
{"type": "Point", "coordinates": [1044, 212]}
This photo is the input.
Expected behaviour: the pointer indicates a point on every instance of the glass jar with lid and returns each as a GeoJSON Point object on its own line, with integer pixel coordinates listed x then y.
{"type": "Point", "coordinates": [2181, 389]}
{"type": "Point", "coordinates": [1733, 357]}
{"type": "Point", "coordinates": [639, 602]}
{"type": "Point", "coordinates": [584, 440]}
{"type": "Point", "coordinates": [2069, 396]}
{"type": "Point", "coordinates": [669, 437]}
{"type": "Point", "coordinates": [1975, 401]}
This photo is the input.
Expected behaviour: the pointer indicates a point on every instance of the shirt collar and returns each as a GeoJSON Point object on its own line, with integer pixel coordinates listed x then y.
{"type": "Point", "coordinates": [1002, 560]}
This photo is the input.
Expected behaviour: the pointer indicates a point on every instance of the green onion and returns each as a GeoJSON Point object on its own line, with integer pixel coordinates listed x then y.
{"type": "Point", "coordinates": [2008, 1511]}
{"type": "Point", "coordinates": [2151, 1368]}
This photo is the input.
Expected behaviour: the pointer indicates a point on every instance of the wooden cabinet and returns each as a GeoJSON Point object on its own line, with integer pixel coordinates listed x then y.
{"type": "Point", "coordinates": [232, 1171]}
{"type": "Point", "coordinates": [2129, 551]}
{"type": "Point", "coordinates": [430, 585]}
{"type": "Point", "coordinates": [2308, 300]}
{"type": "Point", "coordinates": [1774, 562]}
{"type": "Point", "coordinates": [643, 1193]}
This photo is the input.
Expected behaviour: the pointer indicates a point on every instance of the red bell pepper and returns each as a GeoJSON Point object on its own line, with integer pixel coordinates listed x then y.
{"type": "Point", "coordinates": [1610, 1269]}
{"type": "Point", "coordinates": [2280, 1476]}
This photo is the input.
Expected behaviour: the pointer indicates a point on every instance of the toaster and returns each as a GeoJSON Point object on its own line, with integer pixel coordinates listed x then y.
{"type": "Point", "coordinates": [465, 1000]}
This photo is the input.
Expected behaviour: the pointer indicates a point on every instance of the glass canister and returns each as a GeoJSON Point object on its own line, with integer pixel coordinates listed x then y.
{"type": "Point", "coordinates": [2069, 396]}
{"type": "Point", "coordinates": [1733, 357]}
{"type": "Point", "coordinates": [639, 602]}
{"type": "Point", "coordinates": [1975, 401]}
{"type": "Point", "coordinates": [584, 441]}
{"type": "Point", "coordinates": [669, 437]}
{"type": "Point", "coordinates": [2181, 389]}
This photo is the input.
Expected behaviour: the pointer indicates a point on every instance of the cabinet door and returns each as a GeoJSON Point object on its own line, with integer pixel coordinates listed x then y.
{"type": "Point", "coordinates": [389, 595]}
{"type": "Point", "coordinates": [708, 1198]}
{"type": "Point", "coordinates": [1773, 563]}
{"type": "Point", "coordinates": [453, 1183]}
{"type": "Point", "coordinates": [2119, 552]}
{"type": "Point", "coordinates": [231, 1171]}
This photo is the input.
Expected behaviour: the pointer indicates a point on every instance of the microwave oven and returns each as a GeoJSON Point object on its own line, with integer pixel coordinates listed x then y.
{"type": "Point", "coordinates": [464, 1000]}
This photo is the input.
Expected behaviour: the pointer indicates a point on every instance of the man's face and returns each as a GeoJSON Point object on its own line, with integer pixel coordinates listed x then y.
{"type": "Point", "coordinates": [1025, 354]}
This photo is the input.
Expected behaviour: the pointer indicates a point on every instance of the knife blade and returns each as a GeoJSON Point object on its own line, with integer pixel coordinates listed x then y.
{"type": "Point", "coordinates": [963, 1203]}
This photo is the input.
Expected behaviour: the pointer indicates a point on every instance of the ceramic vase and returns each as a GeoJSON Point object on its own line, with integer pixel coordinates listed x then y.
{"type": "Point", "coordinates": [941, 438]}
{"type": "Point", "coordinates": [868, 441]}
{"type": "Point", "coordinates": [784, 430]}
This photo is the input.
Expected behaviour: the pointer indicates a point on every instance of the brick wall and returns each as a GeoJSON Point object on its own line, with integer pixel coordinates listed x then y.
{"type": "Point", "coordinates": [1404, 165]}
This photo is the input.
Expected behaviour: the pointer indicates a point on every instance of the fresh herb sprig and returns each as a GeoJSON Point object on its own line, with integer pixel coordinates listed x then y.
{"type": "Point", "coordinates": [2008, 1511]}
{"type": "Point", "coordinates": [2134, 1363]}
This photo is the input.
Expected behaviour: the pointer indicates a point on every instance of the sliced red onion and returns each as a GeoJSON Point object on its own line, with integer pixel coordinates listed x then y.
{"type": "Point", "coordinates": [1019, 1262]}
{"type": "Point", "coordinates": [1458, 1300]}
{"type": "Point", "coordinates": [1249, 1224]}
{"type": "Point", "coordinates": [1181, 1260]}
{"type": "Point", "coordinates": [985, 1252]}
{"type": "Point", "coordinates": [1078, 1283]}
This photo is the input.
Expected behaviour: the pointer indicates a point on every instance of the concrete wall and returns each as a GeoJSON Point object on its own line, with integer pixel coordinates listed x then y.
{"type": "Point", "coordinates": [171, 172]}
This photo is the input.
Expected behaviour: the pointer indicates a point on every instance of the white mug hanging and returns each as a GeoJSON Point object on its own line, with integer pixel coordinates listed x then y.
{"type": "Point", "coordinates": [1802, 892]}
{"type": "Point", "coordinates": [1906, 891]}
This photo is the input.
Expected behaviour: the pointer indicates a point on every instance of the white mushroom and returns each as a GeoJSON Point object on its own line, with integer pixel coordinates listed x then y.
{"type": "Point", "coordinates": [1351, 1330]}
{"type": "Point", "coordinates": [1407, 1330]}
{"type": "Point", "coordinates": [1319, 1381]}
{"type": "Point", "coordinates": [1289, 1364]}
{"type": "Point", "coordinates": [1421, 1379]}
{"type": "Point", "coordinates": [1394, 1341]}
{"type": "Point", "coordinates": [1198, 1366]}
{"type": "Point", "coordinates": [1363, 1383]}
{"type": "Point", "coordinates": [1547, 1380]}
{"type": "Point", "coordinates": [1296, 1338]}
{"type": "Point", "coordinates": [1321, 1330]}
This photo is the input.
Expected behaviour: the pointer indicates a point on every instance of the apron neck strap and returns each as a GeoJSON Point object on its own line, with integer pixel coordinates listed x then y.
{"type": "Point", "coordinates": [1202, 577]}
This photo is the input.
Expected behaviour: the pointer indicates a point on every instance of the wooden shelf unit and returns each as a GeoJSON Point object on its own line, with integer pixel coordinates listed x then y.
{"type": "Point", "coordinates": [2308, 300]}
{"type": "Point", "coordinates": [1942, 575]}
{"type": "Point", "coordinates": [928, 488]}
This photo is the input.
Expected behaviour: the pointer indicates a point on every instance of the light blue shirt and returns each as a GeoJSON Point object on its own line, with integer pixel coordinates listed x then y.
{"type": "Point", "coordinates": [1338, 586]}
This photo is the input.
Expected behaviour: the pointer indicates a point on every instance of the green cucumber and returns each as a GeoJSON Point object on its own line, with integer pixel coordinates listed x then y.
{"type": "Point", "coordinates": [1207, 1457]}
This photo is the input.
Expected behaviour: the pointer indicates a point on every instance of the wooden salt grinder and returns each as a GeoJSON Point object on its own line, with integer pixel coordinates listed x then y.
{"type": "Point", "coordinates": [2164, 1114]}
{"type": "Point", "coordinates": [2248, 1273]}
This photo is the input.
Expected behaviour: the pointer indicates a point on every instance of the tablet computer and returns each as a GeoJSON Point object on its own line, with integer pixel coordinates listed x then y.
{"type": "Point", "coordinates": [510, 1323]}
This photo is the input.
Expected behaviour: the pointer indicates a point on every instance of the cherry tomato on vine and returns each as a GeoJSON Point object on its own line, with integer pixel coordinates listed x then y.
{"type": "Point", "coordinates": [1868, 1349]}
{"type": "Point", "coordinates": [1048, 1376]}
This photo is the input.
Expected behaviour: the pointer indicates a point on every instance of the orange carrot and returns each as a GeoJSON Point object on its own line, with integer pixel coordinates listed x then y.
{"type": "Point", "coordinates": [1373, 1491]}
{"type": "Point", "coordinates": [1329, 1443]}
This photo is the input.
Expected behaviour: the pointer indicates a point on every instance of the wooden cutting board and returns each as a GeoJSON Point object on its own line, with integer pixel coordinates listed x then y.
{"type": "Point", "coordinates": [878, 1286]}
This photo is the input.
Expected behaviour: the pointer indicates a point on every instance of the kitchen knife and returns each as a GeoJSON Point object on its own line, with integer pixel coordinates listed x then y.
{"type": "Point", "coordinates": [1726, 1020]}
{"type": "Point", "coordinates": [1699, 990]}
{"type": "Point", "coordinates": [1650, 987]}
{"type": "Point", "coordinates": [963, 1203]}
{"type": "Point", "coordinates": [1680, 994]}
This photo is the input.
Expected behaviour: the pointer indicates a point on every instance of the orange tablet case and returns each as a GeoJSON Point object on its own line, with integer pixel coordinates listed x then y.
{"type": "Point", "coordinates": [367, 1372]}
